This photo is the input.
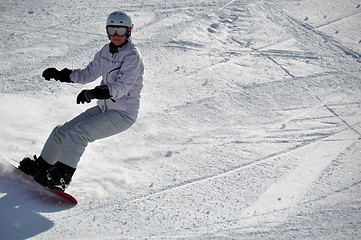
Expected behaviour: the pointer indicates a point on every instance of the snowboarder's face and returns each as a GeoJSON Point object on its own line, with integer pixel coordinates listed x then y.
{"type": "Point", "coordinates": [118, 40]}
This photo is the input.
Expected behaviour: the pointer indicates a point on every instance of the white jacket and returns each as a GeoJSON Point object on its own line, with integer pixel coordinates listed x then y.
{"type": "Point", "coordinates": [122, 72]}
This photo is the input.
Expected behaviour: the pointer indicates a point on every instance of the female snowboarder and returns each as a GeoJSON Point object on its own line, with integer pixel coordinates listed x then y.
{"type": "Point", "coordinates": [121, 68]}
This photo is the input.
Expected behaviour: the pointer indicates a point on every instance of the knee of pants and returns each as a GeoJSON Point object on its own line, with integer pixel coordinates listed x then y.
{"type": "Point", "coordinates": [79, 136]}
{"type": "Point", "coordinates": [58, 134]}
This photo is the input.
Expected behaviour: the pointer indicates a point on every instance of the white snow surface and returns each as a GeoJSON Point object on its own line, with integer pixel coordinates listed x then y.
{"type": "Point", "coordinates": [249, 127]}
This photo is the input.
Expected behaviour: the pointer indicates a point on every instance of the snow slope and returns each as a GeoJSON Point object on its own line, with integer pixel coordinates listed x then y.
{"type": "Point", "coordinates": [250, 122]}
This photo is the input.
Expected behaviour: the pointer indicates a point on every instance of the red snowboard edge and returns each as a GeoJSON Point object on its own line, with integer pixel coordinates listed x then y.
{"type": "Point", "coordinates": [63, 195]}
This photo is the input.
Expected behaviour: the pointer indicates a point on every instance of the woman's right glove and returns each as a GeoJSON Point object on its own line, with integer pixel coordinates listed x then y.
{"type": "Point", "coordinates": [62, 76]}
{"type": "Point", "coordinates": [99, 92]}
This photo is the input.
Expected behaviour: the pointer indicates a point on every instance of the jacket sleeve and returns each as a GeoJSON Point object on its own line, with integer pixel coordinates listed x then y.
{"type": "Point", "coordinates": [131, 70]}
{"type": "Point", "coordinates": [88, 74]}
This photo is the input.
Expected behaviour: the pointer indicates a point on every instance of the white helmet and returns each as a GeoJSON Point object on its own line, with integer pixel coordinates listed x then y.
{"type": "Point", "coordinates": [119, 18]}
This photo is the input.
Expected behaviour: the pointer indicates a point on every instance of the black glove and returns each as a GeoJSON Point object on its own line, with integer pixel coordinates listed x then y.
{"type": "Point", "coordinates": [62, 76]}
{"type": "Point", "coordinates": [100, 92]}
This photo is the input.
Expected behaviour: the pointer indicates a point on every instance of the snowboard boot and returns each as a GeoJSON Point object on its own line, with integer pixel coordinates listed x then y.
{"type": "Point", "coordinates": [31, 167]}
{"type": "Point", "coordinates": [57, 178]}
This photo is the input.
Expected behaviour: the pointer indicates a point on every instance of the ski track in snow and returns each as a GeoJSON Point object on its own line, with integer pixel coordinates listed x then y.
{"type": "Point", "coordinates": [249, 128]}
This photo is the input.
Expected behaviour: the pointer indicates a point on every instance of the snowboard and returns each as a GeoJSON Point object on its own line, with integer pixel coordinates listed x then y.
{"type": "Point", "coordinates": [62, 195]}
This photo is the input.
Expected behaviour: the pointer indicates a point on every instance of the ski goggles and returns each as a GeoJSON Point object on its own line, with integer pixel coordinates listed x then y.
{"type": "Point", "coordinates": [121, 31]}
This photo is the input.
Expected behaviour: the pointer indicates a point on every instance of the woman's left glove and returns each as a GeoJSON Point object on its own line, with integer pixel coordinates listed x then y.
{"type": "Point", "coordinates": [99, 92]}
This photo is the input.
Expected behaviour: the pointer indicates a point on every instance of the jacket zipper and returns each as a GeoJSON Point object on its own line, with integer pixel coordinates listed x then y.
{"type": "Point", "coordinates": [106, 82]}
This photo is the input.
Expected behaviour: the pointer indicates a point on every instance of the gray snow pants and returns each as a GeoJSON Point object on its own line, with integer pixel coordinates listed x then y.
{"type": "Point", "coordinates": [67, 142]}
